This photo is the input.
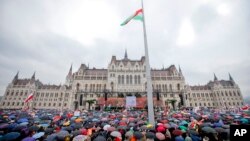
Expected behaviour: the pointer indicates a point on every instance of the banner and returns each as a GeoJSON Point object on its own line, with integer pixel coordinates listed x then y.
{"type": "Point", "coordinates": [130, 101]}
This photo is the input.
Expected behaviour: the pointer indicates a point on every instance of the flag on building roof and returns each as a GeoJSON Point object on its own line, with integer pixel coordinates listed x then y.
{"type": "Point", "coordinates": [136, 16]}
{"type": "Point", "coordinates": [30, 97]}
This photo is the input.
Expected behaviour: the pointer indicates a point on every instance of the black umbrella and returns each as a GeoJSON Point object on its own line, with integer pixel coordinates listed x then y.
{"type": "Point", "coordinates": [49, 130]}
{"type": "Point", "coordinates": [100, 138]}
{"type": "Point", "coordinates": [33, 128]}
{"type": "Point", "coordinates": [12, 136]}
{"type": "Point", "coordinates": [138, 135]}
{"type": "Point", "coordinates": [150, 135]}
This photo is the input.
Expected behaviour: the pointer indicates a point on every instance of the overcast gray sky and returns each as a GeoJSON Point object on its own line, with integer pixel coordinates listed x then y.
{"type": "Point", "coordinates": [202, 36]}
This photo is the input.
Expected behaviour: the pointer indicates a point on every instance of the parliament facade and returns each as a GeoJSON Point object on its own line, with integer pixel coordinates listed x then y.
{"type": "Point", "coordinates": [89, 87]}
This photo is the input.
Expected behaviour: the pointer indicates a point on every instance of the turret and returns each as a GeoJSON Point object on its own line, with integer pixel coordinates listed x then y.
{"type": "Point", "coordinates": [215, 78]}
{"type": "Point", "coordinates": [230, 77]}
{"type": "Point", "coordinates": [125, 55]}
{"type": "Point", "coordinates": [33, 76]}
{"type": "Point", "coordinates": [180, 72]}
{"type": "Point", "coordinates": [69, 77]}
{"type": "Point", "coordinates": [15, 78]}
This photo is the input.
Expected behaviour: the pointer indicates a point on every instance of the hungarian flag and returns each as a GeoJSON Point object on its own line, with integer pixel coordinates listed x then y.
{"type": "Point", "coordinates": [30, 97]}
{"type": "Point", "coordinates": [136, 16]}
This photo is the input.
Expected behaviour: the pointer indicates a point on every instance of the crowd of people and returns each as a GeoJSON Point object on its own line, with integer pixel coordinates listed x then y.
{"type": "Point", "coordinates": [181, 125]}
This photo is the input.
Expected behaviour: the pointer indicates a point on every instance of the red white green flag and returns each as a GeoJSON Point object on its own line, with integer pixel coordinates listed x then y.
{"type": "Point", "coordinates": [136, 16]}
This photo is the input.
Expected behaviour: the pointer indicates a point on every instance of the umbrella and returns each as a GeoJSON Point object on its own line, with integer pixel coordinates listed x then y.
{"type": "Point", "coordinates": [116, 134]}
{"type": "Point", "coordinates": [183, 122]}
{"type": "Point", "coordinates": [193, 132]}
{"type": "Point", "coordinates": [100, 138]}
{"type": "Point", "coordinates": [49, 130]}
{"type": "Point", "coordinates": [18, 127]}
{"type": "Point", "coordinates": [28, 139]}
{"type": "Point", "coordinates": [68, 128]}
{"type": "Point", "coordinates": [160, 136]}
{"type": "Point", "coordinates": [38, 135]}
{"type": "Point", "coordinates": [150, 135]}
{"type": "Point", "coordinates": [24, 123]}
{"type": "Point", "coordinates": [4, 126]}
{"type": "Point", "coordinates": [208, 130]}
{"type": "Point", "coordinates": [219, 129]}
{"type": "Point", "coordinates": [51, 137]}
{"type": "Point", "coordinates": [56, 118]}
{"type": "Point", "coordinates": [22, 120]}
{"type": "Point", "coordinates": [183, 128]}
{"type": "Point", "coordinates": [76, 126]}
{"type": "Point", "coordinates": [111, 129]}
{"type": "Point", "coordinates": [33, 128]}
{"type": "Point", "coordinates": [177, 132]}
{"type": "Point", "coordinates": [80, 138]}
{"type": "Point", "coordinates": [60, 135]}
{"type": "Point", "coordinates": [78, 120]}
{"type": "Point", "coordinates": [161, 129]}
{"type": "Point", "coordinates": [129, 134]}
{"type": "Point", "coordinates": [66, 123]}
{"type": "Point", "coordinates": [76, 132]}
{"type": "Point", "coordinates": [226, 126]}
{"type": "Point", "coordinates": [44, 125]}
{"type": "Point", "coordinates": [122, 127]}
{"type": "Point", "coordinates": [11, 136]}
{"type": "Point", "coordinates": [105, 127]}
{"type": "Point", "coordinates": [138, 135]}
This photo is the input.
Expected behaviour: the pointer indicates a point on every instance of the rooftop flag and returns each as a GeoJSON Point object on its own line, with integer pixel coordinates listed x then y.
{"type": "Point", "coordinates": [136, 16]}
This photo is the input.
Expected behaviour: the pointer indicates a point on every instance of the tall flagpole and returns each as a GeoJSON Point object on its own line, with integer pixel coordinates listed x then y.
{"type": "Point", "coordinates": [151, 116]}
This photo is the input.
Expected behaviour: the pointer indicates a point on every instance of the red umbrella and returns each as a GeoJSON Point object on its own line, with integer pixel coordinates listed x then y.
{"type": "Point", "coordinates": [161, 129]}
{"type": "Point", "coordinates": [56, 118]}
{"type": "Point", "coordinates": [177, 132]}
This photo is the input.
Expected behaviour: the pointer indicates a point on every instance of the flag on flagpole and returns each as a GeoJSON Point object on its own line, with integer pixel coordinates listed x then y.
{"type": "Point", "coordinates": [30, 97]}
{"type": "Point", "coordinates": [136, 16]}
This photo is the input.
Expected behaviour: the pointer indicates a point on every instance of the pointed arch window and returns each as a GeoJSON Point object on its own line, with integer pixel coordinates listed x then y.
{"type": "Point", "coordinates": [122, 79]}
{"type": "Point", "coordinates": [119, 79]}
{"type": "Point", "coordinates": [127, 79]}
{"type": "Point", "coordinates": [139, 79]}
{"type": "Point", "coordinates": [135, 79]}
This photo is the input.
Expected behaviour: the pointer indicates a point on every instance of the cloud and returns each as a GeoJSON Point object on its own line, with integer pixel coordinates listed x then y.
{"type": "Point", "coordinates": [47, 36]}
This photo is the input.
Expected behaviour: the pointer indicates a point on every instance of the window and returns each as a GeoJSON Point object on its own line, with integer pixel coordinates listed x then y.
{"type": "Point", "coordinates": [49, 104]}
{"type": "Point", "coordinates": [139, 79]}
{"type": "Point", "coordinates": [135, 79]}
{"type": "Point", "coordinates": [170, 87]}
{"type": "Point", "coordinates": [131, 80]}
{"type": "Point", "coordinates": [119, 79]}
{"type": "Point", "coordinates": [122, 79]}
{"type": "Point", "coordinates": [13, 103]}
{"type": "Point", "coordinates": [65, 104]}
{"type": "Point", "coordinates": [86, 87]}
{"type": "Point", "coordinates": [44, 104]}
{"type": "Point", "coordinates": [127, 79]}
{"type": "Point", "coordinates": [54, 104]}
{"type": "Point", "coordinates": [178, 87]}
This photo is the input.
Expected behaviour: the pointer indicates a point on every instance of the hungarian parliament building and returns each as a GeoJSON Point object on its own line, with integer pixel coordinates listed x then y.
{"type": "Point", "coordinates": [92, 88]}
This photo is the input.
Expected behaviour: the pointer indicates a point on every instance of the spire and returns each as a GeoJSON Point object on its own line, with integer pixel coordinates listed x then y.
{"type": "Point", "coordinates": [16, 76]}
{"type": "Point", "coordinates": [126, 55]}
{"type": "Point", "coordinates": [70, 70]}
{"type": "Point", "coordinates": [215, 78]}
{"type": "Point", "coordinates": [230, 77]}
{"type": "Point", "coordinates": [33, 76]}
{"type": "Point", "coordinates": [180, 71]}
